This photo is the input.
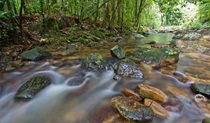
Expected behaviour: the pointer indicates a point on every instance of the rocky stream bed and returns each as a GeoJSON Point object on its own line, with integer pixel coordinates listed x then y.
{"type": "Point", "coordinates": [160, 78]}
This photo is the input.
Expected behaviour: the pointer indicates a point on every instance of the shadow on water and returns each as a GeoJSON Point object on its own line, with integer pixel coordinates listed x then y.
{"type": "Point", "coordinates": [76, 96]}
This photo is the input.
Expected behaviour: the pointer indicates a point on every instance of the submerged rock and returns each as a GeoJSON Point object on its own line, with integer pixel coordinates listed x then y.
{"type": "Point", "coordinates": [157, 108]}
{"type": "Point", "coordinates": [201, 88]}
{"type": "Point", "coordinates": [157, 57]}
{"type": "Point", "coordinates": [173, 105]}
{"type": "Point", "coordinates": [127, 68]}
{"type": "Point", "coordinates": [131, 109]}
{"type": "Point", "coordinates": [33, 86]}
{"type": "Point", "coordinates": [94, 62]}
{"type": "Point", "coordinates": [76, 81]}
{"type": "Point", "coordinates": [35, 54]}
{"type": "Point", "coordinates": [118, 52]}
{"type": "Point", "coordinates": [146, 91]}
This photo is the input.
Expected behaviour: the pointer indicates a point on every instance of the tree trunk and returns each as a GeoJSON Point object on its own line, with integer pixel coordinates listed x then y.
{"type": "Point", "coordinates": [106, 18]}
{"type": "Point", "coordinates": [119, 11]}
{"type": "Point", "coordinates": [14, 7]}
{"type": "Point", "coordinates": [43, 16]}
{"type": "Point", "coordinates": [20, 17]}
{"type": "Point", "coordinates": [97, 10]}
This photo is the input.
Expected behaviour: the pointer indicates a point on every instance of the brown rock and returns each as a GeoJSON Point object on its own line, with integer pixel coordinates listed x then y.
{"type": "Point", "coordinates": [158, 110]}
{"type": "Point", "coordinates": [131, 109]}
{"type": "Point", "coordinates": [146, 91]}
{"type": "Point", "coordinates": [131, 94]}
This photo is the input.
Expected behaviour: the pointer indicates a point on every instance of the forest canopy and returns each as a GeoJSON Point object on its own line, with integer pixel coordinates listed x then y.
{"type": "Point", "coordinates": [128, 14]}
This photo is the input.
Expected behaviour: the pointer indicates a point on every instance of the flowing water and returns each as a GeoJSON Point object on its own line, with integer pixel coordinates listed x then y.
{"type": "Point", "coordinates": [78, 96]}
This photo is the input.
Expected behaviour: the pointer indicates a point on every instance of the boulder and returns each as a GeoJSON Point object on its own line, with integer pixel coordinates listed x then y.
{"type": "Point", "coordinates": [146, 91]}
{"type": "Point", "coordinates": [127, 68]}
{"type": "Point", "coordinates": [157, 57]}
{"type": "Point", "coordinates": [131, 109]}
{"type": "Point", "coordinates": [201, 88]}
{"type": "Point", "coordinates": [158, 110]}
{"type": "Point", "coordinates": [94, 62]}
{"type": "Point", "coordinates": [173, 105]}
{"type": "Point", "coordinates": [33, 86]}
{"type": "Point", "coordinates": [38, 53]}
{"type": "Point", "coordinates": [118, 52]}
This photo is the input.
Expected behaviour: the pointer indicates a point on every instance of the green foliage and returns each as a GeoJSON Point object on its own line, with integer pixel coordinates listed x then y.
{"type": "Point", "coordinates": [171, 13]}
{"type": "Point", "coordinates": [123, 15]}
{"type": "Point", "coordinates": [204, 12]}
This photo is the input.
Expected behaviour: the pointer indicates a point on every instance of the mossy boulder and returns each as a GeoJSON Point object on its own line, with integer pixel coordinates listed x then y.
{"type": "Point", "coordinates": [201, 88]}
{"type": "Point", "coordinates": [157, 57]}
{"type": "Point", "coordinates": [94, 62]}
{"type": "Point", "coordinates": [33, 86]}
{"type": "Point", "coordinates": [127, 68]}
{"type": "Point", "coordinates": [117, 52]}
{"type": "Point", "coordinates": [132, 110]}
{"type": "Point", "coordinates": [38, 53]}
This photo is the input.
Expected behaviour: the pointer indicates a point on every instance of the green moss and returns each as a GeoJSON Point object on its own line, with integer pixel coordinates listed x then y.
{"type": "Point", "coordinates": [160, 57]}
{"type": "Point", "coordinates": [95, 61]}
{"type": "Point", "coordinates": [29, 89]}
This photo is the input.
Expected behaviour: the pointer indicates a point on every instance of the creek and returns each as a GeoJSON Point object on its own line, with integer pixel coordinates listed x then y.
{"type": "Point", "coordinates": [78, 96]}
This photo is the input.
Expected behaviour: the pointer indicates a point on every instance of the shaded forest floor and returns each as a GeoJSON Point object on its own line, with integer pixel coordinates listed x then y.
{"type": "Point", "coordinates": [57, 33]}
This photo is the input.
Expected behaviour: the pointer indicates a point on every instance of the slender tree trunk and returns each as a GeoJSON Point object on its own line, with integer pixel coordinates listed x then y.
{"type": "Point", "coordinates": [114, 8]}
{"type": "Point", "coordinates": [24, 7]}
{"type": "Point", "coordinates": [20, 17]}
{"type": "Point", "coordinates": [43, 16]}
{"type": "Point", "coordinates": [119, 11]}
{"type": "Point", "coordinates": [141, 7]}
{"type": "Point", "coordinates": [106, 18]}
{"type": "Point", "coordinates": [14, 7]}
{"type": "Point", "coordinates": [97, 10]}
{"type": "Point", "coordinates": [48, 8]}
{"type": "Point", "coordinates": [122, 15]}
{"type": "Point", "coordinates": [135, 11]}
{"type": "Point", "coordinates": [9, 5]}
